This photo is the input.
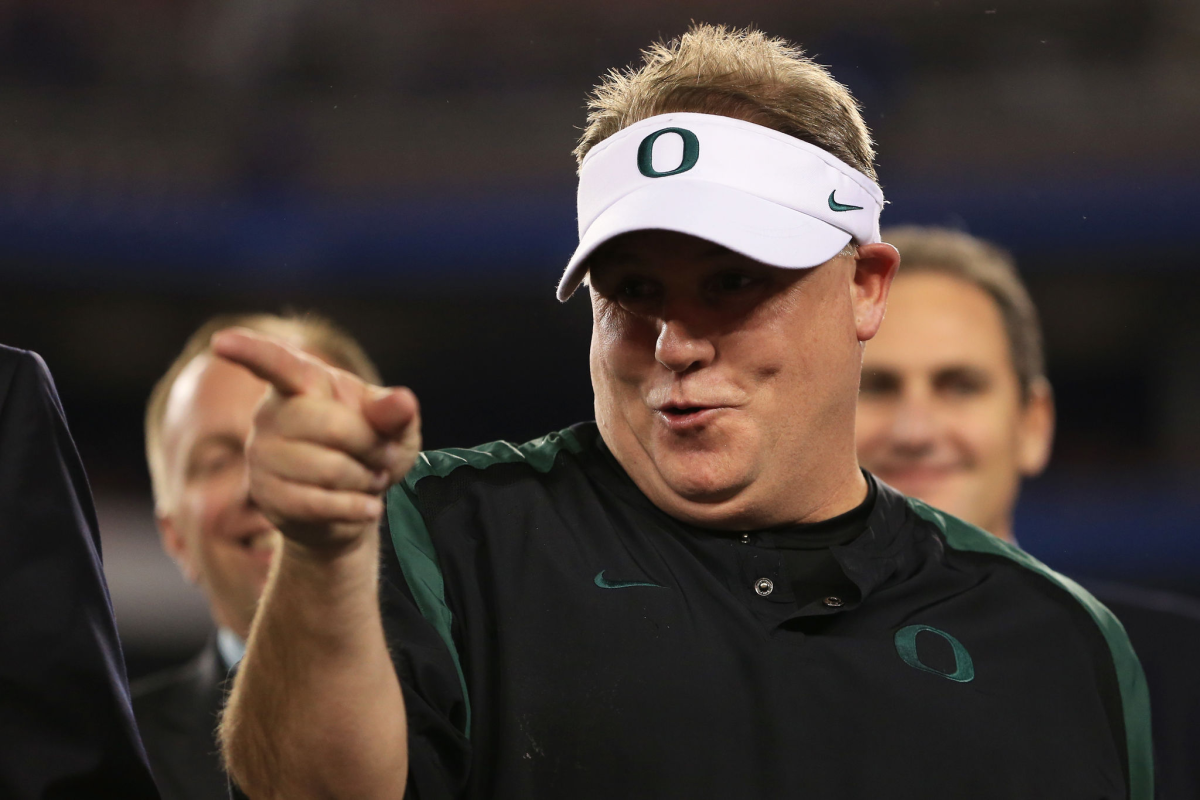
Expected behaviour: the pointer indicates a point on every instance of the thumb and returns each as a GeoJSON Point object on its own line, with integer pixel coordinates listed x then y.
{"type": "Point", "coordinates": [390, 411]}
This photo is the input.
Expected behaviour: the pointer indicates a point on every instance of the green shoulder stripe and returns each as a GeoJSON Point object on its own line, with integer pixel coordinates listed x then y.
{"type": "Point", "coordinates": [413, 544]}
{"type": "Point", "coordinates": [1135, 699]}
{"type": "Point", "coordinates": [539, 454]}
{"type": "Point", "coordinates": [419, 563]}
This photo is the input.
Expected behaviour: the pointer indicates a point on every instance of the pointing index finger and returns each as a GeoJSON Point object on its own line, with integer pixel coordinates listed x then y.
{"type": "Point", "coordinates": [289, 370]}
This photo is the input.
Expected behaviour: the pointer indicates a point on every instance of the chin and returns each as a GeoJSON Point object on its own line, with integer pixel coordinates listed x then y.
{"type": "Point", "coordinates": [705, 478]}
{"type": "Point", "coordinates": [705, 465]}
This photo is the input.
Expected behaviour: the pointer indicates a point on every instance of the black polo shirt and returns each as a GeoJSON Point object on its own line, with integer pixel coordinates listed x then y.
{"type": "Point", "coordinates": [558, 636]}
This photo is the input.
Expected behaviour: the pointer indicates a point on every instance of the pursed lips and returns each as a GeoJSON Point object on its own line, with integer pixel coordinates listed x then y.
{"type": "Point", "coordinates": [680, 415]}
{"type": "Point", "coordinates": [676, 398]}
{"type": "Point", "coordinates": [687, 402]}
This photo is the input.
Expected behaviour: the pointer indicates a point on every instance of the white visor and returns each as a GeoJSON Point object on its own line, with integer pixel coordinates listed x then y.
{"type": "Point", "coordinates": [759, 192]}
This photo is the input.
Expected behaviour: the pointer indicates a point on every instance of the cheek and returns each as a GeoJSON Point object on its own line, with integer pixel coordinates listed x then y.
{"type": "Point", "coordinates": [816, 342]}
{"type": "Point", "coordinates": [207, 505]}
{"type": "Point", "coordinates": [622, 347]}
{"type": "Point", "coordinates": [802, 372]}
{"type": "Point", "coordinates": [871, 423]}
{"type": "Point", "coordinates": [983, 431]}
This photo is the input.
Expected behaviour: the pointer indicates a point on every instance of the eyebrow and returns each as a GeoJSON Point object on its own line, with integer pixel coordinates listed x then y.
{"type": "Point", "coordinates": [941, 371]}
{"type": "Point", "coordinates": [961, 369]}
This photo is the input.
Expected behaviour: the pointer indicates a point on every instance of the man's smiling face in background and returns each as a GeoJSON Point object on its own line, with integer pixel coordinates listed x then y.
{"type": "Point", "coordinates": [942, 415]}
{"type": "Point", "coordinates": [220, 540]}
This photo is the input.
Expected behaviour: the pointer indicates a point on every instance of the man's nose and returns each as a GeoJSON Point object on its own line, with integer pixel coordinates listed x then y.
{"type": "Point", "coordinates": [914, 426]}
{"type": "Point", "coordinates": [243, 489]}
{"type": "Point", "coordinates": [680, 348]}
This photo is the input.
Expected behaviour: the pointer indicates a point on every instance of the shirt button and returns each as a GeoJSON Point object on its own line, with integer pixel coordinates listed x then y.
{"type": "Point", "coordinates": [745, 538]}
{"type": "Point", "coordinates": [833, 601]}
{"type": "Point", "coordinates": [764, 586]}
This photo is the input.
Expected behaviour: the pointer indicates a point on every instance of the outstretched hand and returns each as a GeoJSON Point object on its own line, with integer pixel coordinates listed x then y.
{"type": "Point", "coordinates": [325, 444]}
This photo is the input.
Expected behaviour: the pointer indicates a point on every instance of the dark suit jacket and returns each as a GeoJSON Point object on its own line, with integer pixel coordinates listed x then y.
{"type": "Point", "coordinates": [66, 727]}
{"type": "Point", "coordinates": [177, 711]}
{"type": "Point", "coordinates": [1164, 629]}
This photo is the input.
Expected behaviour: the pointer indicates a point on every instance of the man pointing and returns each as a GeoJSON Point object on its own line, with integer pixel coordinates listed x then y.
{"type": "Point", "coordinates": [700, 594]}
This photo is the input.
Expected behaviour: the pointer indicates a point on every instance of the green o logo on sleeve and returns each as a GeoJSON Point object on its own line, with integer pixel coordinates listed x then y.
{"type": "Point", "coordinates": [645, 154]}
{"type": "Point", "coordinates": [906, 647]}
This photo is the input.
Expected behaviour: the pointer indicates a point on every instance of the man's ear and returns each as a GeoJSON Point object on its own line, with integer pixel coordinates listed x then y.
{"type": "Point", "coordinates": [1035, 430]}
{"type": "Point", "coordinates": [875, 267]}
{"type": "Point", "coordinates": [175, 545]}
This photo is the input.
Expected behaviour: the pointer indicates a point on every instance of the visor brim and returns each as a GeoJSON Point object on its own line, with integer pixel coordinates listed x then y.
{"type": "Point", "coordinates": [749, 225]}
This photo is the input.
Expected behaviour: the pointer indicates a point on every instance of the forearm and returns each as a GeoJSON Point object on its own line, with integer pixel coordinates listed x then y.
{"type": "Point", "coordinates": [316, 709]}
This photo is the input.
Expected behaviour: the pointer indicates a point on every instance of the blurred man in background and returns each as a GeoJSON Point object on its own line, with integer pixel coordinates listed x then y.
{"type": "Point", "coordinates": [955, 409]}
{"type": "Point", "coordinates": [954, 406]}
{"type": "Point", "coordinates": [66, 728]}
{"type": "Point", "coordinates": [197, 421]}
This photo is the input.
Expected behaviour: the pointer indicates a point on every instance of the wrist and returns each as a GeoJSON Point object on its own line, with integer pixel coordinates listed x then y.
{"type": "Point", "coordinates": [346, 543]}
{"type": "Point", "coordinates": [329, 575]}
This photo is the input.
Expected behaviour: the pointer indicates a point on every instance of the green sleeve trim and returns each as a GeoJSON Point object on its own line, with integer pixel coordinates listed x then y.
{"type": "Point", "coordinates": [1135, 697]}
{"type": "Point", "coordinates": [419, 563]}
{"type": "Point", "coordinates": [410, 536]}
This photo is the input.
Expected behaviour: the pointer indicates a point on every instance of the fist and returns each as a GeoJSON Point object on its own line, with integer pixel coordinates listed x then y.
{"type": "Point", "coordinates": [325, 444]}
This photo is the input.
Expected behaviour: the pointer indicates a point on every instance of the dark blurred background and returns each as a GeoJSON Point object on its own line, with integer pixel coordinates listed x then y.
{"type": "Point", "coordinates": [405, 168]}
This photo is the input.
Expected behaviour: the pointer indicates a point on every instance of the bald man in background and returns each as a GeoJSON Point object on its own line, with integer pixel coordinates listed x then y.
{"type": "Point", "coordinates": [955, 409]}
{"type": "Point", "coordinates": [197, 421]}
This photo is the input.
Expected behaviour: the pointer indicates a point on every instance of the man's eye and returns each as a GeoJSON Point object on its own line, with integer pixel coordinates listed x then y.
{"type": "Point", "coordinates": [636, 289]}
{"type": "Point", "coordinates": [212, 464]}
{"type": "Point", "coordinates": [731, 281]}
{"type": "Point", "coordinates": [962, 385]}
{"type": "Point", "coordinates": [878, 384]}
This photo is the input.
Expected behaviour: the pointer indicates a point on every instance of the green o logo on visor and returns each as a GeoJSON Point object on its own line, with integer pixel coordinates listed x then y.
{"type": "Point", "coordinates": [906, 647]}
{"type": "Point", "coordinates": [645, 155]}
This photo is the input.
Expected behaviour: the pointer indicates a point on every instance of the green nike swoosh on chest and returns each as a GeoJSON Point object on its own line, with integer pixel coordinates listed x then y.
{"type": "Point", "coordinates": [605, 583]}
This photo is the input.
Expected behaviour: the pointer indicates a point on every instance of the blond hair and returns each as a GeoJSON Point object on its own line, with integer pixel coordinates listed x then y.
{"type": "Point", "coordinates": [740, 73]}
{"type": "Point", "coordinates": [312, 332]}
{"type": "Point", "coordinates": [989, 268]}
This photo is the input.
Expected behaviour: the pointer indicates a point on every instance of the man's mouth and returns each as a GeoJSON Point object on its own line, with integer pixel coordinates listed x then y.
{"type": "Point", "coordinates": [682, 416]}
{"type": "Point", "coordinates": [683, 411]}
{"type": "Point", "coordinates": [917, 473]}
{"type": "Point", "coordinates": [258, 543]}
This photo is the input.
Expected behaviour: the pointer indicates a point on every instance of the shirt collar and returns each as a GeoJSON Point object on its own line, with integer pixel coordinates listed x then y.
{"type": "Point", "coordinates": [886, 548]}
